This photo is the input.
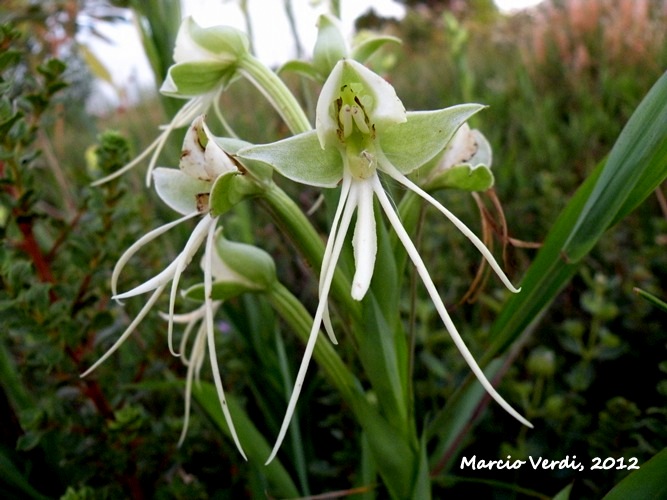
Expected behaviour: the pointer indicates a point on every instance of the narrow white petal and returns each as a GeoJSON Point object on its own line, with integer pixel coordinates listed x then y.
{"type": "Point", "coordinates": [157, 281]}
{"type": "Point", "coordinates": [197, 355]}
{"type": "Point", "coordinates": [142, 314]}
{"type": "Point", "coordinates": [364, 240]}
{"type": "Point", "coordinates": [127, 255]}
{"type": "Point", "coordinates": [479, 244]}
{"type": "Point", "coordinates": [206, 225]}
{"type": "Point", "coordinates": [439, 305]}
{"type": "Point", "coordinates": [317, 321]}
{"type": "Point", "coordinates": [208, 301]}
{"type": "Point", "coordinates": [326, 258]}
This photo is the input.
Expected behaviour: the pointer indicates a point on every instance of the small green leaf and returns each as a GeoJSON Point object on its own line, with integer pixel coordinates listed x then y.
{"type": "Point", "coordinates": [652, 298]}
{"type": "Point", "coordinates": [230, 189]}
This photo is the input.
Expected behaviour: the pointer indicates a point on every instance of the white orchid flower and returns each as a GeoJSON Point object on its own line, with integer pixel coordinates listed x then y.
{"type": "Point", "coordinates": [186, 190]}
{"type": "Point", "coordinates": [362, 129]}
{"type": "Point", "coordinates": [205, 63]}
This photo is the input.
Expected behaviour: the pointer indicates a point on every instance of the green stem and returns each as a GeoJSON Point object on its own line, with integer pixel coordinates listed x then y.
{"type": "Point", "coordinates": [292, 311]}
{"type": "Point", "coordinates": [276, 92]}
{"type": "Point", "coordinates": [294, 223]}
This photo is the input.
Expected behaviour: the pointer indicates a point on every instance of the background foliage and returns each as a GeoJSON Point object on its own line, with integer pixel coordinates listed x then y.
{"type": "Point", "coordinates": [560, 82]}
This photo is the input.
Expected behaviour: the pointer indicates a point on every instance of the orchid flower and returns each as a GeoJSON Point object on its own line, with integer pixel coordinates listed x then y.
{"type": "Point", "coordinates": [362, 129]}
{"type": "Point", "coordinates": [235, 268]}
{"type": "Point", "coordinates": [186, 191]}
{"type": "Point", "coordinates": [206, 62]}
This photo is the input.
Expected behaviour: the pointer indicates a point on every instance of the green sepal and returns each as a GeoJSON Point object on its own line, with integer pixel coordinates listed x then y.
{"type": "Point", "coordinates": [330, 46]}
{"type": "Point", "coordinates": [301, 159]}
{"type": "Point", "coordinates": [225, 42]}
{"type": "Point", "coordinates": [464, 177]}
{"type": "Point", "coordinates": [259, 170]}
{"type": "Point", "coordinates": [411, 144]}
{"type": "Point", "coordinates": [196, 78]}
{"type": "Point", "coordinates": [228, 190]}
{"type": "Point", "coordinates": [371, 45]}
{"type": "Point", "coordinates": [302, 68]}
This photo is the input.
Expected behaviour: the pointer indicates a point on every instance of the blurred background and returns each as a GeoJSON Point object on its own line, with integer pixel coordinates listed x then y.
{"type": "Point", "coordinates": [560, 78]}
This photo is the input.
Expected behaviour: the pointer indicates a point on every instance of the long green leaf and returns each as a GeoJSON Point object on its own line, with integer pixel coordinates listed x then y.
{"type": "Point", "coordinates": [646, 482]}
{"type": "Point", "coordinates": [636, 165]}
{"type": "Point", "coordinates": [638, 162]}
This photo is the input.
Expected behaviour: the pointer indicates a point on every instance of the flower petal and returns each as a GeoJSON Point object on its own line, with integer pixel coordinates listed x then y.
{"type": "Point", "coordinates": [210, 332]}
{"type": "Point", "coordinates": [389, 169]}
{"type": "Point", "coordinates": [339, 239]}
{"type": "Point", "coordinates": [439, 305]}
{"type": "Point", "coordinates": [364, 240]}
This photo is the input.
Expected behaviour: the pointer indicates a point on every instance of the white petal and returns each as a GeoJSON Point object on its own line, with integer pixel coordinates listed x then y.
{"type": "Point", "coordinates": [134, 248]}
{"type": "Point", "coordinates": [144, 311]}
{"type": "Point", "coordinates": [364, 240]}
{"type": "Point", "coordinates": [326, 123]}
{"type": "Point", "coordinates": [386, 108]}
{"type": "Point", "coordinates": [339, 239]}
{"type": "Point", "coordinates": [440, 307]}
{"type": "Point", "coordinates": [326, 258]}
{"type": "Point", "coordinates": [206, 225]}
{"type": "Point", "coordinates": [210, 331]}
{"type": "Point", "coordinates": [479, 244]}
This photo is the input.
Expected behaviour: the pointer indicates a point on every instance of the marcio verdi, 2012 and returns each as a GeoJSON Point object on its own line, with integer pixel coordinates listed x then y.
{"type": "Point", "coordinates": [536, 463]}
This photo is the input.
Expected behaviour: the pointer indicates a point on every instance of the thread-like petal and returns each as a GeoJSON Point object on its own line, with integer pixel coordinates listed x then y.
{"type": "Point", "coordinates": [389, 169]}
{"type": "Point", "coordinates": [339, 238]}
{"type": "Point", "coordinates": [439, 305]}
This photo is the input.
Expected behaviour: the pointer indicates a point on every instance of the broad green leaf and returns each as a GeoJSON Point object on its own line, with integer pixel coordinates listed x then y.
{"type": "Point", "coordinates": [381, 358]}
{"type": "Point", "coordinates": [411, 144]}
{"type": "Point", "coordinates": [254, 444]}
{"type": "Point", "coordinates": [636, 165]}
{"type": "Point", "coordinates": [301, 159]}
{"type": "Point", "coordinates": [646, 482]}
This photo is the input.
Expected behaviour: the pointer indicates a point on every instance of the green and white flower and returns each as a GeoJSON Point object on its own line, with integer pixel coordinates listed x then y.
{"type": "Point", "coordinates": [362, 130]}
{"type": "Point", "coordinates": [187, 191]}
{"type": "Point", "coordinates": [206, 61]}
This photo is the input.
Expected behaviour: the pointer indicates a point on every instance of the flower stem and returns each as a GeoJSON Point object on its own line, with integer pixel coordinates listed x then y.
{"type": "Point", "coordinates": [276, 92]}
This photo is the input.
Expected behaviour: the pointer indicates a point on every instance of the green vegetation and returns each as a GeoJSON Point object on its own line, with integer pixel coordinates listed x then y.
{"type": "Point", "coordinates": [580, 353]}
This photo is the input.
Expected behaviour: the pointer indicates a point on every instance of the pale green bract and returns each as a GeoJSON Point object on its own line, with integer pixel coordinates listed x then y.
{"type": "Point", "coordinates": [362, 129]}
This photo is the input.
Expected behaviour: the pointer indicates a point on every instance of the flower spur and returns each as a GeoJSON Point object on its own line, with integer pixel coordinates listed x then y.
{"type": "Point", "coordinates": [362, 128]}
